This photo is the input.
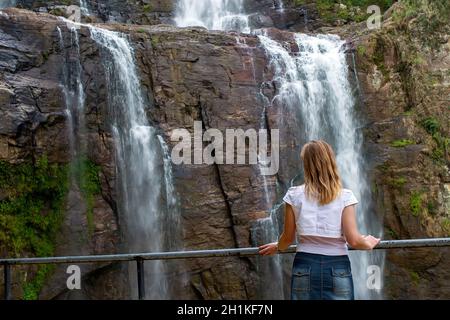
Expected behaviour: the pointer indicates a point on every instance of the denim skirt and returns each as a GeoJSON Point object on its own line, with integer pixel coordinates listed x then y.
{"type": "Point", "coordinates": [320, 277]}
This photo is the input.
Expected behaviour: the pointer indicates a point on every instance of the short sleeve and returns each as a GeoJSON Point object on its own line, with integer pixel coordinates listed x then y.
{"type": "Point", "coordinates": [288, 198]}
{"type": "Point", "coordinates": [349, 199]}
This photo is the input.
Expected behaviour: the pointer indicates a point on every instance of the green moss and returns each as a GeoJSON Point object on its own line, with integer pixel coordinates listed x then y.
{"type": "Point", "coordinates": [33, 195]}
{"type": "Point", "coordinates": [32, 289]}
{"type": "Point", "coordinates": [401, 143]}
{"type": "Point", "coordinates": [415, 278]}
{"type": "Point", "coordinates": [155, 41]}
{"type": "Point", "coordinates": [415, 203]}
{"type": "Point", "coordinates": [147, 8]}
{"type": "Point", "coordinates": [398, 182]}
{"type": "Point", "coordinates": [141, 30]}
{"type": "Point", "coordinates": [58, 12]}
{"type": "Point", "coordinates": [361, 50]}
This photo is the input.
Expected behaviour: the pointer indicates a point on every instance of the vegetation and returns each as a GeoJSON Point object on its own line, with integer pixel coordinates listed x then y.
{"type": "Point", "coordinates": [446, 226]}
{"type": "Point", "coordinates": [401, 143]}
{"type": "Point", "coordinates": [32, 198]}
{"type": "Point", "coordinates": [415, 278]}
{"type": "Point", "coordinates": [433, 127]}
{"type": "Point", "coordinates": [398, 182]}
{"type": "Point", "coordinates": [429, 15]}
{"type": "Point", "coordinates": [147, 8]}
{"type": "Point", "coordinates": [347, 10]}
{"type": "Point", "coordinates": [415, 203]}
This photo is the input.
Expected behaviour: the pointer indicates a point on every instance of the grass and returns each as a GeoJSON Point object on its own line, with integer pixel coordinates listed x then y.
{"type": "Point", "coordinates": [415, 203]}
{"type": "Point", "coordinates": [401, 143]}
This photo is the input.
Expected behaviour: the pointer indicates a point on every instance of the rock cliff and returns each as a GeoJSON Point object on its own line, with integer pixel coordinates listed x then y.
{"type": "Point", "coordinates": [187, 75]}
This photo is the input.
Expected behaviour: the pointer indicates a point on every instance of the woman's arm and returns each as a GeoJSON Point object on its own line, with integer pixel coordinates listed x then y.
{"type": "Point", "coordinates": [351, 233]}
{"type": "Point", "coordinates": [286, 238]}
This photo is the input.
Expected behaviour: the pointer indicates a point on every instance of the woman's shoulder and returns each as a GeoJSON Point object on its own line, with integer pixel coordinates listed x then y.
{"type": "Point", "coordinates": [297, 189]}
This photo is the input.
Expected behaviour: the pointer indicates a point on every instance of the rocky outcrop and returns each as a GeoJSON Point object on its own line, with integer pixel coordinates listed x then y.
{"type": "Point", "coordinates": [403, 68]}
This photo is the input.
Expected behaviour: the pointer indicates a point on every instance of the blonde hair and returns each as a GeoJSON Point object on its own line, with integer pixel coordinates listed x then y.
{"type": "Point", "coordinates": [322, 181]}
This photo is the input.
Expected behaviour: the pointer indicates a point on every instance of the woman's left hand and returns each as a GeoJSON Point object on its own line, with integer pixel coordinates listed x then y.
{"type": "Point", "coordinates": [268, 249]}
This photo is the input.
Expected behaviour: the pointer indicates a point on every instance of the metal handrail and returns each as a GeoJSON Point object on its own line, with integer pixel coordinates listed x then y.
{"type": "Point", "coordinates": [141, 257]}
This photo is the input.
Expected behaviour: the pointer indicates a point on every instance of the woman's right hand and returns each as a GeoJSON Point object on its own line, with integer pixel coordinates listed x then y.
{"type": "Point", "coordinates": [371, 241]}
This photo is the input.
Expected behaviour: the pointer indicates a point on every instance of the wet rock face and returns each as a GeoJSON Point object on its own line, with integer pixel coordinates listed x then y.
{"type": "Point", "coordinates": [286, 15]}
{"type": "Point", "coordinates": [188, 75]}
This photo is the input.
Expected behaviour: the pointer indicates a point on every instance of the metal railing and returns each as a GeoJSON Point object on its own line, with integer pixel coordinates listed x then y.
{"type": "Point", "coordinates": [141, 257]}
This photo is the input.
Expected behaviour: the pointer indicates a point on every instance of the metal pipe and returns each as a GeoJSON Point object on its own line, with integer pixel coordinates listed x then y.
{"type": "Point", "coordinates": [239, 252]}
{"type": "Point", "coordinates": [7, 279]}
{"type": "Point", "coordinates": [140, 278]}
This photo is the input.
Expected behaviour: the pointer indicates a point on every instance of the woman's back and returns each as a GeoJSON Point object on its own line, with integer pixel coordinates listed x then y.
{"type": "Point", "coordinates": [319, 227]}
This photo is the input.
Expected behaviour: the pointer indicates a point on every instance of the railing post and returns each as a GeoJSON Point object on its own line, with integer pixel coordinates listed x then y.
{"type": "Point", "coordinates": [7, 280]}
{"type": "Point", "coordinates": [140, 278]}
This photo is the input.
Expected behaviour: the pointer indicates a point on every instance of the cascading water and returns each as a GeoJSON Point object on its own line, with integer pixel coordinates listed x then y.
{"type": "Point", "coordinates": [7, 3]}
{"type": "Point", "coordinates": [213, 15]}
{"type": "Point", "coordinates": [138, 156]}
{"type": "Point", "coordinates": [84, 7]}
{"type": "Point", "coordinates": [314, 84]}
{"type": "Point", "coordinates": [73, 91]}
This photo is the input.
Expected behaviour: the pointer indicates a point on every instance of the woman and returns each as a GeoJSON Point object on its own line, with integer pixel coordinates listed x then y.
{"type": "Point", "coordinates": [322, 215]}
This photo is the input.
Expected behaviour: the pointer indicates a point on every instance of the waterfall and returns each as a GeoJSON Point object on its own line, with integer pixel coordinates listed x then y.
{"type": "Point", "coordinates": [313, 84]}
{"type": "Point", "coordinates": [73, 92]}
{"type": "Point", "coordinates": [138, 155]}
{"type": "Point", "coordinates": [84, 7]}
{"type": "Point", "coordinates": [212, 14]}
{"type": "Point", "coordinates": [7, 3]}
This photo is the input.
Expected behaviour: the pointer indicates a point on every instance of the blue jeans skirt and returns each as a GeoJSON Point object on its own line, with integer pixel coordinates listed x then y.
{"type": "Point", "coordinates": [320, 277]}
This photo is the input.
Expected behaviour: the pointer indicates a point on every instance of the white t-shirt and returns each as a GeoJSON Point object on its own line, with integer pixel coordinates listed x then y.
{"type": "Point", "coordinates": [319, 227]}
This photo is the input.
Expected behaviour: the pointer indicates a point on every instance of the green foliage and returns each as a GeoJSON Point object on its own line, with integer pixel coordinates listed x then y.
{"type": "Point", "coordinates": [431, 124]}
{"type": "Point", "coordinates": [398, 182]}
{"type": "Point", "coordinates": [430, 16]}
{"type": "Point", "coordinates": [433, 127]}
{"type": "Point", "coordinates": [415, 203]}
{"type": "Point", "coordinates": [31, 289]}
{"type": "Point", "coordinates": [33, 195]}
{"type": "Point", "coordinates": [348, 10]}
{"type": "Point", "coordinates": [361, 50]}
{"type": "Point", "coordinates": [147, 8]}
{"type": "Point", "coordinates": [401, 143]}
